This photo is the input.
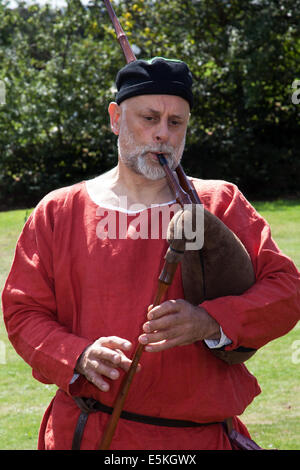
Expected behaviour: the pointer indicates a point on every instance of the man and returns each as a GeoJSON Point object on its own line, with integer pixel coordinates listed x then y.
{"type": "Point", "coordinates": [84, 275]}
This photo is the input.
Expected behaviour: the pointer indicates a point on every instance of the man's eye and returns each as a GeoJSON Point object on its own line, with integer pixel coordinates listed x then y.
{"type": "Point", "coordinates": [148, 118]}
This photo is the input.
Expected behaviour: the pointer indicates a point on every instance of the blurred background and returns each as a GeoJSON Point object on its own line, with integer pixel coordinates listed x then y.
{"type": "Point", "coordinates": [58, 62]}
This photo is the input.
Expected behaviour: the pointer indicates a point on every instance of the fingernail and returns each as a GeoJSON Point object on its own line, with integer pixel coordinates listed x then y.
{"type": "Point", "coordinates": [104, 387]}
{"type": "Point", "coordinates": [114, 374]}
{"type": "Point", "coordinates": [127, 345]}
{"type": "Point", "coordinates": [116, 358]}
{"type": "Point", "coordinates": [144, 339]}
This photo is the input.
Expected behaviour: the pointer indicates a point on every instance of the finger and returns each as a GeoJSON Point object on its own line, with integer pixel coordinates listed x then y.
{"type": "Point", "coordinates": [115, 342]}
{"type": "Point", "coordinates": [158, 336]}
{"type": "Point", "coordinates": [119, 360]}
{"type": "Point", "coordinates": [170, 320]}
{"type": "Point", "coordinates": [113, 358]}
{"type": "Point", "coordinates": [107, 370]}
{"type": "Point", "coordinates": [96, 378]}
{"type": "Point", "coordinates": [127, 362]}
{"type": "Point", "coordinates": [169, 306]}
{"type": "Point", "coordinates": [163, 345]}
{"type": "Point", "coordinates": [124, 362]}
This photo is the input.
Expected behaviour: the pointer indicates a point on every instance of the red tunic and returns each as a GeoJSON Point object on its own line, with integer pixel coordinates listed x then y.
{"type": "Point", "coordinates": [68, 287]}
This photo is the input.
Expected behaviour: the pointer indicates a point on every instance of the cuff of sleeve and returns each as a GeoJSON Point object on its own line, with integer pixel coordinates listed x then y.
{"type": "Point", "coordinates": [223, 310]}
{"type": "Point", "coordinates": [74, 378]}
{"type": "Point", "coordinates": [218, 343]}
{"type": "Point", "coordinates": [56, 370]}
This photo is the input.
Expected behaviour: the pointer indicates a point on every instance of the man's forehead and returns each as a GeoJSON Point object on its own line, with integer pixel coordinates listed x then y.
{"type": "Point", "coordinates": [159, 104]}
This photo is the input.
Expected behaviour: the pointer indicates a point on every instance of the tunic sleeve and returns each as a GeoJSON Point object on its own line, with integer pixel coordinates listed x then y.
{"type": "Point", "coordinates": [271, 307]}
{"type": "Point", "coordinates": [29, 306]}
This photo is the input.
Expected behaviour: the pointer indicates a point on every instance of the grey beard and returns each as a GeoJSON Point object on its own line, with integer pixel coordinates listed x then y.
{"type": "Point", "coordinates": [137, 160]}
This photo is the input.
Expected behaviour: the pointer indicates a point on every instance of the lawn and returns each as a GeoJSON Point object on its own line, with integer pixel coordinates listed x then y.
{"type": "Point", "coordinates": [22, 399]}
{"type": "Point", "coordinates": [273, 418]}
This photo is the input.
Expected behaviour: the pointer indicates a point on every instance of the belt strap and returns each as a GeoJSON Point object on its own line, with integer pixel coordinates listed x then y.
{"type": "Point", "coordinates": [89, 405]}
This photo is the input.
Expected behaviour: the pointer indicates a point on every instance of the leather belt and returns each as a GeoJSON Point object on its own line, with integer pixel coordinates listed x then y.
{"type": "Point", "coordinates": [89, 405]}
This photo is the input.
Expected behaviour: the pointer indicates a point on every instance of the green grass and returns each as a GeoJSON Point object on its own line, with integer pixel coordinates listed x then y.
{"type": "Point", "coordinates": [273, 418]}
{"type": "Point", "coordinates": [284, 219]}
{"type": "Point", "coordinates": [23, 400]}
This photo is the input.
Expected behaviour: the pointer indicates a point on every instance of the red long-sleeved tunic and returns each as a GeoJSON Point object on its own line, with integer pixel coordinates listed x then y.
{"type": "Point", "coordinates": [69, 286]}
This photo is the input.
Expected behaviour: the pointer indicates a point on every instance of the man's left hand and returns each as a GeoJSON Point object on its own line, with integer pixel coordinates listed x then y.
{"type": "Point", "coordinates": [177, 323]}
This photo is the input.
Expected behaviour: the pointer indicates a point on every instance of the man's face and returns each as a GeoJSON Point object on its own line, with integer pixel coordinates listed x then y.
{"type": "Point", "coordinates": [147, 125]}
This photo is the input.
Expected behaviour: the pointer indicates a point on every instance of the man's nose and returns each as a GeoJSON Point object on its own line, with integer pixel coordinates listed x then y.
{"type": "Point", "coordinates": [161, 132]}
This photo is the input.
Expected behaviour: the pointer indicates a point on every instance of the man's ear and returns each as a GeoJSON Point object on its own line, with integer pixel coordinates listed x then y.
{"type": "Point", "coordinates": [114, 111]}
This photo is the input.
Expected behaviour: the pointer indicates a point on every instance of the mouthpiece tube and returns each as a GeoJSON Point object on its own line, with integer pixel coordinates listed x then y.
{"type": "Point", "coordinates": [162, 160]}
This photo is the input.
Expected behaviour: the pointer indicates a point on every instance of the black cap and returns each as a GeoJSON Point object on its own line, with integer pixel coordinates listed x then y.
{"type": "Point", "coordinates": [158, 76]}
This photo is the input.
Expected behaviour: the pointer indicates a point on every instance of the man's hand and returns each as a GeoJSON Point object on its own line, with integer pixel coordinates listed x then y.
{"type": "Point", "coordinates": [102, 359]}
{"type": "Point", "coordinates": [177, 323]}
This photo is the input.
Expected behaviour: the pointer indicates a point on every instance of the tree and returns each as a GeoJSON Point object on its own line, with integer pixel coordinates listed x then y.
{"type": "Point", "coordinates": [59, 69]}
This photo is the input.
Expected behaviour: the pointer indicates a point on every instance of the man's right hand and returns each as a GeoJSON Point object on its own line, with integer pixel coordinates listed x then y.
{"type": "Point", "coordinates": [102, 359]}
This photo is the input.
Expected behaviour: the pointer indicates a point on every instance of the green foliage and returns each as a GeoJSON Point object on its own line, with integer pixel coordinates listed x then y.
{"type": "Point", "coordinates": [58, 76]}
{"type": "Point", "coordinates": [59, 68]}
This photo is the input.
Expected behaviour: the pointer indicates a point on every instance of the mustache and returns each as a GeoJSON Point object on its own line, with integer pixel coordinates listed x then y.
{"type": "Point", "coordinates": [164, 149]}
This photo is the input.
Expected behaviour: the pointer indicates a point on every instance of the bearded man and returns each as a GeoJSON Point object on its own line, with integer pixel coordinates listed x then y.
{"type": "Point", "coordinates": [76, 298]}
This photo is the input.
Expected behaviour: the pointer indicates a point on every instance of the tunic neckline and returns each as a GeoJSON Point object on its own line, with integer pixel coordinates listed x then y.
{"type": "Point", "coordinates": [94, 198]}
